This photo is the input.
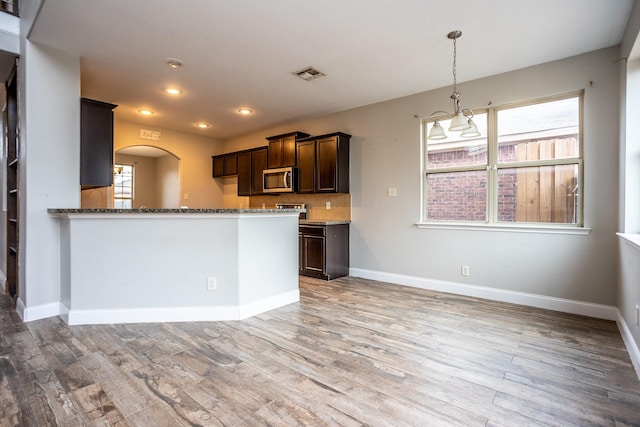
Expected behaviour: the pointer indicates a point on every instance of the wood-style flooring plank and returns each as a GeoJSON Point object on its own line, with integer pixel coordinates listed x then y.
{"type": "Point", "coordinates": [352, 352]}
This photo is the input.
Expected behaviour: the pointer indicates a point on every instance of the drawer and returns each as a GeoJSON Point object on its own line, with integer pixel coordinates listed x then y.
{"type": "Point", "coordinates": [311, 230]}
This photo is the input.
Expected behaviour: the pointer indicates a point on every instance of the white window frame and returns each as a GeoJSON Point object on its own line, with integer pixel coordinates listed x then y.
{"type": "Point", "coordinates": [493, 166]}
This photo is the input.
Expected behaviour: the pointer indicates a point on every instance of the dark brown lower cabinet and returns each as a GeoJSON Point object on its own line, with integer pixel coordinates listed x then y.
{"type": "Point", "coordinates": [324, 251]}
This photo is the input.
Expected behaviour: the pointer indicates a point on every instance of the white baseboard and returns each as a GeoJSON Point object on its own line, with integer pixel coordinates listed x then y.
{"type": "Point", "coordinates": [630, 343]}
{"type": "Point", "coordinates": [598, 311]}
{"type": "Point", "coordinates": [177, 314]}
{"type": "Point", "coordinates": [37, 312]}
{"type": "Point", "coordinates": [20, 308]}
{"type": "Point", "coordinates": [257, 307]}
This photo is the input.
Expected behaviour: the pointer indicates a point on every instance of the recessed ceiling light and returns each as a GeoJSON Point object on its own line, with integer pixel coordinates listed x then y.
{"type": "Point", "coordinates": [172, 90]}
{"type": "Point", "coordinates": [145, 112]}
{"type": "Point", "coordinates": [245, 111]}
{"type": "Point", "coordinates": [203, 125]}
{"type": "Point", "coordinates": [174, 62]}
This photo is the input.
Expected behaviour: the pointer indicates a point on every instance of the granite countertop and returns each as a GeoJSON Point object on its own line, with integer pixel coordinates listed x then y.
{"type": "Point", "coordinates": [324, 221]}
{"type": "Point", "coordinates": [169, 211]}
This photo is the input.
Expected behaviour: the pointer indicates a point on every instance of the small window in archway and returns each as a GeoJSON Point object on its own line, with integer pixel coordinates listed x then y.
{"type": "Point", "coordinates": [123, 186]}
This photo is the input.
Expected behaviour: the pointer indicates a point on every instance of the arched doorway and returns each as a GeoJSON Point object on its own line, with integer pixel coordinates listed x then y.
{"type": "Point", "coordinates": [155, 179]}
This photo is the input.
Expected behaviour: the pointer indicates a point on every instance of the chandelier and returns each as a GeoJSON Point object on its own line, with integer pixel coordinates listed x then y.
{"type": "Point", "coordinates": [461, 118]}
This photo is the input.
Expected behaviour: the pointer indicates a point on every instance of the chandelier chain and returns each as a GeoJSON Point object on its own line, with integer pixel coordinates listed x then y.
{"type": "Point", "coordinates": [454, 64]}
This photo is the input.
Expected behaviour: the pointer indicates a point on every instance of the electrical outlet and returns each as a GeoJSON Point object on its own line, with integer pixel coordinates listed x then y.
{"type": "Point", "coordinates": [464, 270]}
{"type": "Point", "coordinates": [211, 284]}
{"type": "Point", "coordinates": [328, 205]}
{"type": "Point", "coordinates": [392, 192]}
{"type": "Point", "coordinates": [186, 196]}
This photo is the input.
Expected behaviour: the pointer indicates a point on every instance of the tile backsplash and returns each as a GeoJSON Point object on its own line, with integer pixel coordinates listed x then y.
{"type": "Point", "coordinates": [316, 204]}
{"type": "Point", "coordinates": [96, 198]}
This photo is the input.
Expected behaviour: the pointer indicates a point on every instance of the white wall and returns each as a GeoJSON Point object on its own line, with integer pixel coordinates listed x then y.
{"type": "Point", "coordinates": [194, 153]}
{"type": "Point", "coordinates": [629, 183]}
{"type": "Point", "coordinates": [49, 103]}
{"type": "Point", "coordinates": [168, 184]}
{"type": "Point", "coordinates": [385, 152]}
{"type": "Point", "coordinates": [630, 204]}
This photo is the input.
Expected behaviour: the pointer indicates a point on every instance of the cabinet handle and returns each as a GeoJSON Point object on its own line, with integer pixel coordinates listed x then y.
{"type": "Point", "coordinates": [284, 179]}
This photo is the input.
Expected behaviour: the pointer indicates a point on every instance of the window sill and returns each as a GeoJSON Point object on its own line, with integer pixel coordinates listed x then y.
{"type": "Point", "coordinates": [511, 228]}
{"type": "Point", "coordinates": [632, 239]}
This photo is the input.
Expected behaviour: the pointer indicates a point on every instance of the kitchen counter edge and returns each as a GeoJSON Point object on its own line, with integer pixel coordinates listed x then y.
{"type": "Point", "coordinates": [63, 211]}
{"type": "Point", "coordinates": [324, 221]}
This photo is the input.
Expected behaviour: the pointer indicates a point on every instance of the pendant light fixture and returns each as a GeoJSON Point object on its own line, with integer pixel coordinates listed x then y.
{"type": "Point", "coordinates": [461, 118]}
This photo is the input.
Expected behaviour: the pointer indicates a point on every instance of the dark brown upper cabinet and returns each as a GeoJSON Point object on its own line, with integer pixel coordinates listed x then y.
{"type": "Point", "coordinates": [282, 149]}
{"type": "Point", "coordinates": [225, 165]}
{"type": "Point", "coordinates": [244, 173]}
{"type": "Point", "coordinates": [96, 143]}
{"type": "Point", "coordinates": [258, 164]}
{"type": "Point", "coordinates": [251, 163]}
{"type": "Point", "coordinates": [323, 163]}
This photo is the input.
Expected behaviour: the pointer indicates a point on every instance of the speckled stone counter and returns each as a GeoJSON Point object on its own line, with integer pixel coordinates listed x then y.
{"type": "Point", "coordinates": [324, 221]}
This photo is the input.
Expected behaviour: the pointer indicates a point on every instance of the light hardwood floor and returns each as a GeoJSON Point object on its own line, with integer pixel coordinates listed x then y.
{"type": "Point", "coordinates": [352, 352]}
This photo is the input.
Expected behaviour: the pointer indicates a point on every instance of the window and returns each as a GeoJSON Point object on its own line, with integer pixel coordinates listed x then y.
{"type": "Point", "coordinates": [526, 167]}
{"type": "Point", "coordinates": [123, 187]}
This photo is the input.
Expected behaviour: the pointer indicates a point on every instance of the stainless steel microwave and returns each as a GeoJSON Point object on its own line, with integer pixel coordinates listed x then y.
{"type": "Point", "coordinates": [281, 180]}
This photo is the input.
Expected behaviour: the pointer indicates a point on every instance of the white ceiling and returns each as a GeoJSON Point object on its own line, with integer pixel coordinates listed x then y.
{"type": "Point", "coordinates": [241, 53]}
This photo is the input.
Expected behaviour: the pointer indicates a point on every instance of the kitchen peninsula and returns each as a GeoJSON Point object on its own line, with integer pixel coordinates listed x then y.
{"type": "Point", "coordinates": [160, 265]}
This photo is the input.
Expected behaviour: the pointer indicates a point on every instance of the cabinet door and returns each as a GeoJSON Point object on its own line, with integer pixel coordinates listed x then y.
{"type": "Point", "coordinates": [326, 165]}
{"type": "Point", "coordinates": [282, 149]}
{"type": "Point", "coordinates": [314, 254]}
{"type": "Point", "coordinates": [231, 164]}
{"type": "Point", "coordinates": [305, 161]}
{"type": "Point", "coordinates": [288, 151]}
{"type": "Point", "coordinates": [96, 143]}
{"type": "Point", "coordinates": [275, 153]}
{"type": "Point", "coordinates": [225, 165]}
{"type": "Point", "coordinates": [244, 173]}
{"type": "Point", "coordinates": [313, 251]}
{"type": "Point", "coordinates": [258, 164]}
{"type": "Point", "coordinates": [218, 166]}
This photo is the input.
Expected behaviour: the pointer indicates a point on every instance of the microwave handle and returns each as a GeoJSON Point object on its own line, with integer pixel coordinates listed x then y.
{"type": "Point", "coordinates": [284, 179]}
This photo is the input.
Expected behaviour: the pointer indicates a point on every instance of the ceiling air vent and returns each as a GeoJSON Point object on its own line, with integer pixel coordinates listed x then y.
{"type": "Point", "coordinates": [309, 73]}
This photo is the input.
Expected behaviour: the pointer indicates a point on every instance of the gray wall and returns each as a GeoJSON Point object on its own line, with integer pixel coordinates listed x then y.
{"type": "Point", "coordinates": [385, 152]}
